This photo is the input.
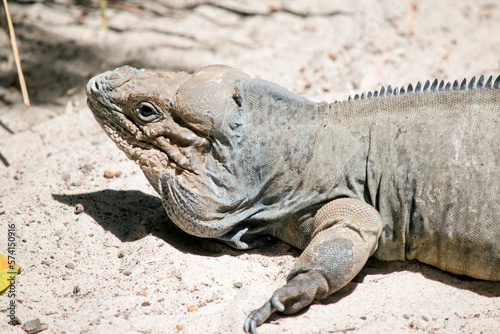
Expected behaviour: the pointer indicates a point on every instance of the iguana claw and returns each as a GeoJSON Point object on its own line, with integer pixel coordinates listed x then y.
{"type": "Point", "coordinates": [275, 301]}
{"type": "Point", "coordinates": [257, 318]}
{"type": "Point", "coordinates": [298, 293]}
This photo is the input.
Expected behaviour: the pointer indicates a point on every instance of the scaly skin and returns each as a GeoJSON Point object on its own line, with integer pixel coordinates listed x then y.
{"type": "Point", "coordinates": [397, 176]}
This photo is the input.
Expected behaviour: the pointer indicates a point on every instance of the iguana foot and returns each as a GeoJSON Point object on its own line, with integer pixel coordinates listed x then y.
{"type": "Point", "coordinates": [298, 293]}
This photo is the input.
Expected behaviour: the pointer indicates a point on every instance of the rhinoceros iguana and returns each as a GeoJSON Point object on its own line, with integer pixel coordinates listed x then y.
{"type": "Point", "coordinates": [401, 173]}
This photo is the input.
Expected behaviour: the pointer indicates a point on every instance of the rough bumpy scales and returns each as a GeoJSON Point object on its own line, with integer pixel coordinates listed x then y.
{"type": "Point", "coordinates": [400, 173]}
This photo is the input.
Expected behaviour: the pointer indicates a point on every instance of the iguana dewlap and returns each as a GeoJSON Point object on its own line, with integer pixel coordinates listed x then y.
{"type": "Point", "coordinates": [398, 174]}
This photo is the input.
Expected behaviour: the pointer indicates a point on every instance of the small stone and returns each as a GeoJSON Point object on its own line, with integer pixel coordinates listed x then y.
{"type": "Point", "coordinates": [363, 317]}
{"type": "Point", "coordinates": [119, 173]}
{"type": "Point", "coordinates": [333, 56]}
{"type": "Point", "coordinates": [426, 318]}
{"type": "Point", "coordinates": [192, 308]}
{"type": "Point", "coordinates": [70, 265]}
{"type": "Point", "coordinates": [127, 272]}
{"type": "Point", "coordinates": [34, 326]}
{"type": "Point", "coordinates": [79, 209]}
{"type": "Point", "coordinates": [76, 289]}
{"type": "Point", "coordinates": [237, 285]}
{"type": "Point", "coordinates": [121, 254]}
{"type": "Point", "coordinates": [109, 173]}
{"type": "Point", "coordinates": [179, 327]}
{"type": "Point", "coordinates": [146, 303]}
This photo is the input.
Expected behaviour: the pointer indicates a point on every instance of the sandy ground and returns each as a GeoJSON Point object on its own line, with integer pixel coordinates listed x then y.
{"type": "Point", "coordinates": [120, 266]}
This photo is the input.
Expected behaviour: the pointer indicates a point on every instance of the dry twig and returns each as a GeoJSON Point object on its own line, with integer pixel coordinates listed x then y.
{"type": "Point", "coordinates": [104, 19]}
{"type": "Point", "coordinates": [13, 42]}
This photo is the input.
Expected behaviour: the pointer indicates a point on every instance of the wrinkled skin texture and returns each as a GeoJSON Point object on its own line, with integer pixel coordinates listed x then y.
{"type": "Point", "coordinates": [234, 158]}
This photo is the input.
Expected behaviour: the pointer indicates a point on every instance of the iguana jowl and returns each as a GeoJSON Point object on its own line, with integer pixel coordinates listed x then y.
{"type": "Point", "coordinates": [399, 174]}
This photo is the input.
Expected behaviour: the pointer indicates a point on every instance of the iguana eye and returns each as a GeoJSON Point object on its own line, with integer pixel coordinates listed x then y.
{"type": "Point", "coordinates": [146, 112]}
{"type": "Point", "coordinates": [237, 99]}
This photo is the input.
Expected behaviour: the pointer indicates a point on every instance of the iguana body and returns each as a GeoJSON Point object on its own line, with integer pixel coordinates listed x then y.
{"type": "Point", "coordinates": [406, 175]}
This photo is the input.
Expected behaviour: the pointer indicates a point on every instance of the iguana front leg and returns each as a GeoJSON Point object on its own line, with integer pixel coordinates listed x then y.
{"type": "Point", "coordinates": [344, 234]}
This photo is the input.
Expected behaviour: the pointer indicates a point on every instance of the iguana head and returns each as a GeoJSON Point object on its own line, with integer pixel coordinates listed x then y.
{"type": "Point", "coordinates": [165, 123]}
{"type": "Point", "coordinates": [153, 116]}
{"type": "Point", "coordinates": [217, 146]}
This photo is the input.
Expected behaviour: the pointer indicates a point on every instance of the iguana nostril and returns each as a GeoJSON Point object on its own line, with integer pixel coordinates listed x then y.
{"type": "Point", "coordinates": [93, 87]}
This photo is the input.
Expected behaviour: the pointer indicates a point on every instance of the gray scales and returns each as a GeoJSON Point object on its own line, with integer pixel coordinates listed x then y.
{"type": "Point", "coordinates": [404, 173]}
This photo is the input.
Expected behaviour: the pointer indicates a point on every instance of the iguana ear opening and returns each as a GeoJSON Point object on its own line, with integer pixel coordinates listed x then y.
{"type": "Point", "coordinates": [206, 94]}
